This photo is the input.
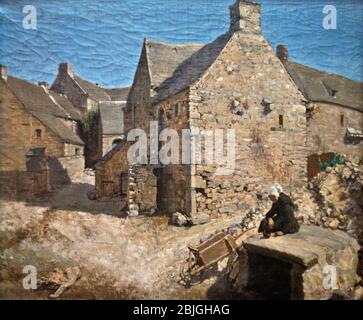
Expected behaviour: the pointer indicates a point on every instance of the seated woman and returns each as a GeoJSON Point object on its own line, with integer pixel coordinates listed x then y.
{"type": "Point", "coordinates": [280, 219]}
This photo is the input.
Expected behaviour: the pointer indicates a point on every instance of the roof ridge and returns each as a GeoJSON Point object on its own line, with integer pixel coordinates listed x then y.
{"type": "Point", "coordinates": [173, 44]}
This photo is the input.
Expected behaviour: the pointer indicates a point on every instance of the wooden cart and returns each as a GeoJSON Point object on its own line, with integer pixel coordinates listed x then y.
{"type": "Point", "coordinates": [207, 254]}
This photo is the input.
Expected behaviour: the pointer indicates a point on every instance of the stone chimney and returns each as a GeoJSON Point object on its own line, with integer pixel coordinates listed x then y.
{"type": "Point", "coordinates": [66, 68]}
{"type": "Point", "coordinates": [245, 16]}
{"type": "Point", "coordinates": [4, 72]}
{"type": "Point", "coordinates": [282, 52]}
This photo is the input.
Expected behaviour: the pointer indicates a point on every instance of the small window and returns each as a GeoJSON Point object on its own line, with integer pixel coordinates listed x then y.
{"type": "Point", "coordinates": [124, 184]}
{"type": "Point", "coordinates": [176, 110]}
{"type": "Point", "coordinates": [281, 121]}
{"type": "Point", "coordinates": [334, 93]}
{"type": "Point", "coordinates": [342, 120]}
{"type": "Point", "coordinates": [38, 133]}
{"type": "Point", "coordinates": [77, 151]}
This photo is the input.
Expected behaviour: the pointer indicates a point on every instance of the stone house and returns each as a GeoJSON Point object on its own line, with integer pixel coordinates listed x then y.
{"type": "Point", "coordinates": [334, 111]}
{"type": "Point", "coordinates": [235, 82]}
{"type": "Point", "coordinates": [101, 109]}
{"type": "Point", "coordinates": [37, 124]}
{"type": "Point", "coordinates": [111, 124]}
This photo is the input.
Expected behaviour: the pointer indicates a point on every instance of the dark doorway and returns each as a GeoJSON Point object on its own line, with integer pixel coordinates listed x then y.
{"type": "Point", "coordinates": [158, 172]}
{"type": "Point", "coordinates": [124, 184]}
{"type": "Point", "coordinates": [269, 277]}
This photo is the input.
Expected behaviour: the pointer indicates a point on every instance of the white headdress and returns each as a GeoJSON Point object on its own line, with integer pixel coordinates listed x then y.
{"type": "Point", "coordinates": [278, 188]}
{"type": "Point", "coordinates": [272, 191]}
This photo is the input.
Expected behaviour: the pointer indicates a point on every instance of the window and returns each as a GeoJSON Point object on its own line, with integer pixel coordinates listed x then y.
{"type": "Point", "coordinates": [176, 110]}
{"type": "Point", "coordinates": [124, 184]}
{"type": "Point", "coordinates": [38, 133]}
{"type": "Point", "coordinates": [342, 120]}
{"type": "Point", "coordinates": [77, 151]}
{"type": "Point", "coordinates": [334, 93]}
{"type": "Point", "coordinates": [281, 121]}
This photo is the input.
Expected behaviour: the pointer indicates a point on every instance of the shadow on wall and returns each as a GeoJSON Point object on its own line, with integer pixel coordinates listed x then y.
{"type": "Point", "coordinates": [58, 175]}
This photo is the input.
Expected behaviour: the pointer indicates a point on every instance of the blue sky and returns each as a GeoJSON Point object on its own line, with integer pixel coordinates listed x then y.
{"type": "Point", "coordinates": [103, 39]}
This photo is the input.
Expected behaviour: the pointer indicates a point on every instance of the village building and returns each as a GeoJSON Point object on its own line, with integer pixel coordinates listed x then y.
{"type": "Point", "coordinates": [334, 112]}
{"type": "Point", "coordinates": [111, 125]}
{"type": "Point", "coordinates": [112, 118]}
{"type": "Point", "coordinates": [40, 143]}
{"type": "Point", "coordinates": [235, 82]}
{"type": "Point", "coordinates": [101, 108]}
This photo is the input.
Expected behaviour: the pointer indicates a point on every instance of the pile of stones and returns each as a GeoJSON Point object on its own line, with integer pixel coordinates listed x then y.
{"type": "Point", "coordinates": [335, 199]}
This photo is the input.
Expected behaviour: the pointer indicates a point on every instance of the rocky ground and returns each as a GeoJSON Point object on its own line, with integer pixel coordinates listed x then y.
{"type": "Point", "coordinates": [138, 257]}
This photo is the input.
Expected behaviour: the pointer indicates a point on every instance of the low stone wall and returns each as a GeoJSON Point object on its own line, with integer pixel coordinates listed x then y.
{"type": "Point", "coordinates": [23, 185]}
{"type": "Point", "coordinates": [142, 189]}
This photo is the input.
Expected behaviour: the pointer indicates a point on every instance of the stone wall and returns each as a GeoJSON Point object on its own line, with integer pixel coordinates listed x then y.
{"type": "Point", "coordinates": [108, 174]}
{"type": "Point", "coordinates": [142, 189]}
{"type": "Point", "coordinates": [138, 108]}
{"type": "Point", "coordinates": [248, 89]}
{"type": "Point", "coordinates": [173, 182]}
{"type": "Point", "coordinates": [301, 262]}
{"type": "Point", "coordinates": [20, 185]}
{"type": "Point", "coordinates": [327, 127]}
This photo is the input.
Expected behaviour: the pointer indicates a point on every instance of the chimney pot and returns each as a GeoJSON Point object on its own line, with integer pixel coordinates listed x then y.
{"type": "Point", "coordinates": [245, 16]}
{"type": "Point", "coordinates": [282, 52]}
{"type": "Point", "coordinates": [4, 72]}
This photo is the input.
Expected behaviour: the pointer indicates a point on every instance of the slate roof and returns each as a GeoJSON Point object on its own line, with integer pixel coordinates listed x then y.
{"type": "Point", "coordinates": [94, 91]}
{"type": "Point", "coordinates": [118, 94]}
{"type": "Point", "coordinates": [318, 86]}
{"type": "Point", "coordinates": [174, 68]}
{"type": "Point", "coordinates": [112, 117]}
{"type": "Point", "coordinates": [66, 105]}
{"type": "Point", "coordinates": [39, 103]}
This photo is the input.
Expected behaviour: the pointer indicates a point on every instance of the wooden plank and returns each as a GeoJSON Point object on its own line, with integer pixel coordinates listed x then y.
{"type": "Point", "coordinates": [214, 252]}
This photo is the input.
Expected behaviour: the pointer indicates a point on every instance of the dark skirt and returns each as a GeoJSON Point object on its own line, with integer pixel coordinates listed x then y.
{"type": "Point", "coordinates": [280, 224]}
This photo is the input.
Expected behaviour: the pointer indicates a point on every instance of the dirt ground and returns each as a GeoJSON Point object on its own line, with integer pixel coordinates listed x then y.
{"type": "Point", "coordinates": [120, 258]}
